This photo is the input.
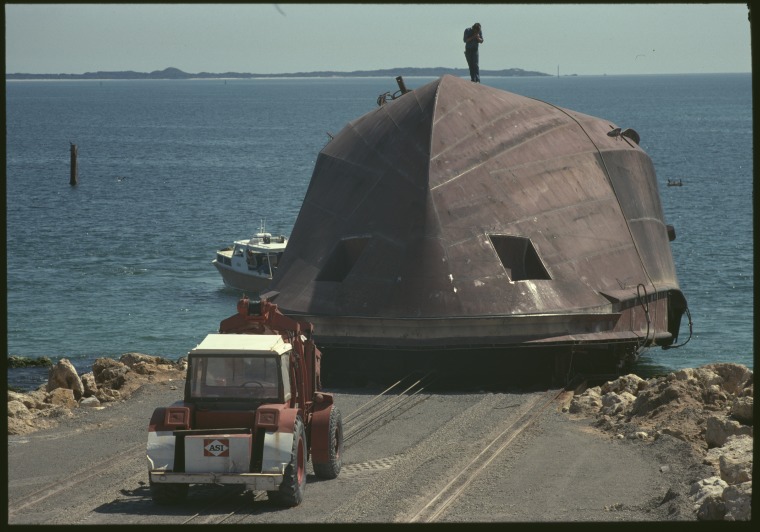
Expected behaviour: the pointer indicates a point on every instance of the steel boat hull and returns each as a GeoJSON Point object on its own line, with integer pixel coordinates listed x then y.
{"type": "Point", "coordinates": [463, 216]}
{"type": "Point", "coordinates": [246, 283]}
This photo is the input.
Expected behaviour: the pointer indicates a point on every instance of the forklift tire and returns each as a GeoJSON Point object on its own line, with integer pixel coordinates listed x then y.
{"type": "Point", "coordinates": [294, 481]}
{"type": "Point", "coordinates": [331, 469]}
{"type": "Point", "coordinates": [165, 494]}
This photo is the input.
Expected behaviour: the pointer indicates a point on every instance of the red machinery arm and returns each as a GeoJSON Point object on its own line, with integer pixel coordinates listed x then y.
{"type": "Point", "coordinates": [260, 316]}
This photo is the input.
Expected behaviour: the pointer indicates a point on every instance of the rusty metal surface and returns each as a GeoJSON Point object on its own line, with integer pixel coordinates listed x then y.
{"type": "Point", "coordinates": [458, 200]}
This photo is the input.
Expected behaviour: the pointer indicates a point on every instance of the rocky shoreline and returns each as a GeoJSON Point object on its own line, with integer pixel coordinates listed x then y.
{"type": "Point", "coordinates": [66, 391]}
{"type": "Point", "coordinates": [709, 407]}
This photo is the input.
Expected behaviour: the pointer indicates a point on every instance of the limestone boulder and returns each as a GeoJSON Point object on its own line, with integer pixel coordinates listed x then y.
{"type": "Point", "coordinates": [658, 396]}
{"type": "Point", "coordinates": [701, 377]}
{"type": "Point", "coordinates": [145, 364]}
{"type": "Point", "coordinates": [62, 397]}
{"type": "Point", "coordinates": [107, 395]}
{"type": "Point", "coordinates": [736, 460]}
{"type": "Point", "coordinates": [90, 386]}
{"type": "Point", "coordinates": [616, 403]}
{"type": "Point", "coordinates": [712, 508]}
{"type": "Point", "coordinates": [109, 381]}
{"type": "Point", "coordinates": [89, 402]}
{"type": "Point", "coordinates": [719, 428]}
{"type": "Point", "coordinates": [733, 377]}
{"type": "Point", "coordinates": [741, 409]}
{"type": "Point", "coordinates": [738, 502]}
{"type": "Point", "coordinates": [588, 403]}
{"type": "Point", "coordinates": [627, 383]}
{"type": "Point", "coordinates": [17, 410]}
{"type": "Point", "coordinates": [707, 496]}
{"type": "Point", "coordinates": [110, 373]}
{"type": "Point", "coordinates": [64, 375]}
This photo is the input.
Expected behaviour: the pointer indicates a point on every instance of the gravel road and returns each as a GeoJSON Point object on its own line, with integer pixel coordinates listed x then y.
{"type": "Point", "coordinates": [91, 469]}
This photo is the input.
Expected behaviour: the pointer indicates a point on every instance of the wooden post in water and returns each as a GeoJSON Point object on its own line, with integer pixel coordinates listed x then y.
{"type": "Point", "coordinates": [74, 173]}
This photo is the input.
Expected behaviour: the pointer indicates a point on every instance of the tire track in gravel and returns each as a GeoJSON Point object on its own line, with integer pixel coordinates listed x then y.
{"type": "Point", "coordinates": [396, 494]}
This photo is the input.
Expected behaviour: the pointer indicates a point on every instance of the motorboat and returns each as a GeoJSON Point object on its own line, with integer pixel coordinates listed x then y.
{"type": "Point", "coordinates": [248, 265]}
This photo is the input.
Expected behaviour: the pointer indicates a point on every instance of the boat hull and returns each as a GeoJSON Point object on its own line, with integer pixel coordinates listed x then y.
{"type": "Point", "coordinates": [460, 215]}
{"type": "Point", "coordinates": [243, 282]}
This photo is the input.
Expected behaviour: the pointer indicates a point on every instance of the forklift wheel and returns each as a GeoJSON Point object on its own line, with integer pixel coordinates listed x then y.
{"type": "Point", "coordinates": [331, 469]}
{"type": "Point", "coordinates": [294, 481]}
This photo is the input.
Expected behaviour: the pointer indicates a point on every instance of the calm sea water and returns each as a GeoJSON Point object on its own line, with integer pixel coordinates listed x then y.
{"type": "Point", "coordinates": [170, 171]}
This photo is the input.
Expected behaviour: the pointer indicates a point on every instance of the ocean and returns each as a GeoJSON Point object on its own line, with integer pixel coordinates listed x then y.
{"type": "Point", "coordinates": [172, 170]}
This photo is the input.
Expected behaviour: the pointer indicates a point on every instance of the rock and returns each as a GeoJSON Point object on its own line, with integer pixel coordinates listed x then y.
{"type": "Point", "coordinates": [64, 375]}
{"type": "Point", "coordinates": [733, 377]}
{"type": "Point", "coordinates": [145, 364]}
{"type": "Point", "coordinates": [628, 383]}
{"type": "Point", "coordinates": [62, 397]}
{"type": "Point", "coordinates": [89, 402]}
{"type": "Point", "coordinates": [748, 390]}
{"type": "Point", "coordinates": [672, 432]}
{"type": "Point", "coordinates": [718, 429]}
{"type": "Point", "coordinates": [736, 460]}
{"type": "Point", "coordinates": [707, 486]}
{"type": "Point", "coordinates": [698, 377]}
{"type": "Point", "coordinates": [107, 395]}
{"type": "Point", "coordinates": [15, 396]}
{"type": "Point", "coordinates": [712, 458]}
{"type": "Point", "coordinates": [110, 373]}
{"type": "Point", "coordinates": [17, 410]}
{"type": "Point", "coordinates": [657, 396]}
{"type": "Point", "coordinates": [110, 380]}
{"type": "Point", "coordinates": [36, 400]}
{"type": "Point", "coordinates": [738, 502]}
{"type": "Point", "coordinates": [90, 386]}
{"type": "Point", "coordinates": [741, 409]}
{"type": "Point", "coordinates": [588, 403]}
{"type": "Point", "coordinates": [710, 408]}
{"type": "Point", "coordinates": [714, 394]}
{"type": "Point", "coordinates": [712, 509]}
{"type": "Point", "coordinates": [614, 403]}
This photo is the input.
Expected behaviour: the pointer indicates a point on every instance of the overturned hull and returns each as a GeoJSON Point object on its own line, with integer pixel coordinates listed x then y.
{"type": "Point", "coordinates": [460, 216]}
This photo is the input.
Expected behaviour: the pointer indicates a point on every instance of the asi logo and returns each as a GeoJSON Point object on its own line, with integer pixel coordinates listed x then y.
{"type": "Point", "coordinates": [216, 447]}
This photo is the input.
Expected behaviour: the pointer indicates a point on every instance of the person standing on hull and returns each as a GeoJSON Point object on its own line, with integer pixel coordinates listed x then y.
{"type": "Point", "coordinates": [472, 38]}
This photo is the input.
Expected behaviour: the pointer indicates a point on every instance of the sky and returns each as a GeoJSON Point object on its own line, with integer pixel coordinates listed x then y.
{"type": "Point", "coordinates": [583, 39]}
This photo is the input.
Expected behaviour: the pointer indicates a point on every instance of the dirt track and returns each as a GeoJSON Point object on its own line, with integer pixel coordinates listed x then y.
{"type": "Point", "coordinates": [91, 469]}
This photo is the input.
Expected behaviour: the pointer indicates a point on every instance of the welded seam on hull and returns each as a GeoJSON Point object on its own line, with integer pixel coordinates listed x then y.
{"type": "Point", "coordinates": [391, 164]}
{"type": "Point", "coordinates": [499, 153]}
{"type": "Point", "coordinates": [497, 118]}
{"type": "Point", "coordinates": [444, 248]}
{"type": "Point", "coordinates": [622, 212]}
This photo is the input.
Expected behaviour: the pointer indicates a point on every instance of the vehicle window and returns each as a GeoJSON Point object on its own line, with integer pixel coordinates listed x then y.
{"type": "Point", "coordinates": [235, 377]}
{"type": "Point", "coordinates": [285, 365]}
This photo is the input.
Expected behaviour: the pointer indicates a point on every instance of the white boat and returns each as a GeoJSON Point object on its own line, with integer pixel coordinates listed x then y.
{"type": "Point", "coordinates": [248, 265]}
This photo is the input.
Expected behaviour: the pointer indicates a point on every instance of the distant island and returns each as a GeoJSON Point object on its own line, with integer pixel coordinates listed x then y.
{"type": "Point", "coordinates": [175, 73]}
